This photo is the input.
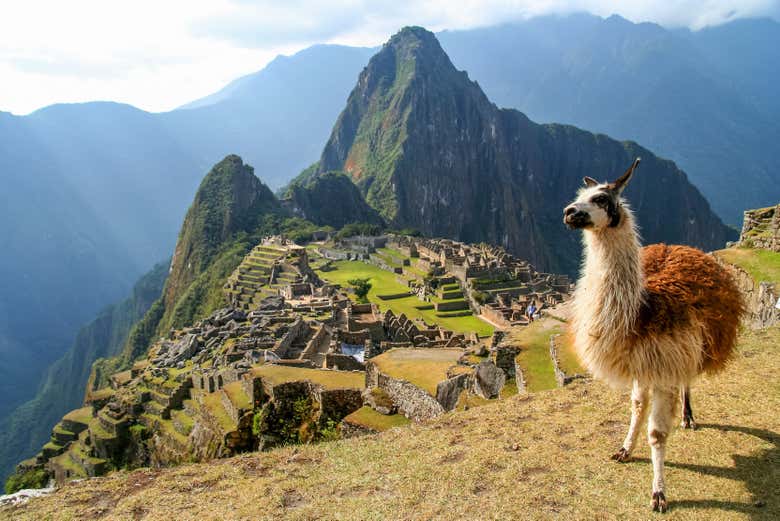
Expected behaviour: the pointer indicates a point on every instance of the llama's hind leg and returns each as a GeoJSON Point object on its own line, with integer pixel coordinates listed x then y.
{"type": "Point", "coordinates": [639, 409]}
{"type": "Point", "coordinates": [687, 413]}
{"type": "Point", "coordinates": [664, 403]}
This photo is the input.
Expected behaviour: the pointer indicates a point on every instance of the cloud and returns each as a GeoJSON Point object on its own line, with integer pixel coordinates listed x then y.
{"type": "Point", "coordinates": [160, 54]}
{"type": "Point", "coordinates": [260, 23]}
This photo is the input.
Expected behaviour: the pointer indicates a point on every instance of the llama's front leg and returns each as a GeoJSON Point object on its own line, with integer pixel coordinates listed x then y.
{"type": "Point", "coordinates": [687, 413]}
{"type": "Point", "coordinates": [639, 409]}
{"type": "Point", "coordinates": [664, 403]}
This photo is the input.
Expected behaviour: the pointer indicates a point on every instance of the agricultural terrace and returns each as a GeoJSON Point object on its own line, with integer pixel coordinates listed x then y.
{"type": "Point", "coordinates": [762, 265]}
{"type": "Point", "coordinates": [329, 379]}
{"type": "Point", "coordinates": [368, 417]}
{"type": "Point", "coordinates": [534, 358]}
{"type": "Point", "coordinates": [424, 368]}
{"type": "Point", "coordinates": [384, 283]}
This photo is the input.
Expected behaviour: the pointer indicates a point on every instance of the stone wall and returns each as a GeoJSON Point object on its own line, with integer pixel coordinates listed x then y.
{"type": "Point", "coordinates": [297, 329]}
{"type": "Point", "coordinates": [761, 229]}
{"type": "Point", "coordinates": [760, 298]}
{"type": "Point", "coordinates": [412, 402]}
{"type": "Point", "coordinates": [505, 359]}
{"type": "Point", "coordinates": [342, 362]}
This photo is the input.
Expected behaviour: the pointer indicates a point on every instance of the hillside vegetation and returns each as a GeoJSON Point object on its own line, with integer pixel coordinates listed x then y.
{"type": "Point", "coordinates": [530, 456]}
{"type": "Point", "coordinates": [62, 389]}
{"type": "Point", "coordinates": [762, 265]}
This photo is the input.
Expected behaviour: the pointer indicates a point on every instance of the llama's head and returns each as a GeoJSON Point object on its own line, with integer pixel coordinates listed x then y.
{"type": "Point", "coordinates": [598, 204]}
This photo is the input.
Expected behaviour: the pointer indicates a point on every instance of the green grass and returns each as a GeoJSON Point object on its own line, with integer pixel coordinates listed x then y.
{"type": "Point", "coordinates": [101, 394]}
{"type": "Point", "coordinates": [213, 403]}
{"type": "Point", "coordinates": [83, 415]}
{"type": "Point", "coordinates": [59, 429]}
{"type": "Point", "coordinates": [368, 417]}
{"type": "Point", "coordinates": [97, 430]}
{"type": "Point", "coordinates": [762, 265]}
{"type": "Point", "coordinates": [384, 283]}
{"type": "Point", "coordinates": [278, 374]}
{"type": "Point", "coordinates": [424, 368]}
{"type": "Point", "coordinates": [534, 357]}
{"type": "Point", "coordinates": [237, 395]}
{"type": "Point", "coordinates": [390, 252]}
{"type": "Point", "coordinates": [51, 445]}
{"type": "Point", "coordinates": [567, 356]}
{"type": "Point", "coordinates": [166, 426]}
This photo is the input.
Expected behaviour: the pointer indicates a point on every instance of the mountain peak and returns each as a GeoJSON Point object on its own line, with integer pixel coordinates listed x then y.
{"type": "Point", "coordinates": [416, 44]}
{"type": "Point", "coordinates": [229, 200]}
{"type": "Point", "coordinates": [413, 35]}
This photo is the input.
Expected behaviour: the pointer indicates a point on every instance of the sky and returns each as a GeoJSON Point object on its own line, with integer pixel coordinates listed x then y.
{"type": "Point", "coordinates": [160, 54]}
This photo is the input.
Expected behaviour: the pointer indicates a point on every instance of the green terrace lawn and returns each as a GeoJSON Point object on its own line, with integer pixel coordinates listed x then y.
{"type": "Point", "coordinates": [762, 265]}
{"type": "Point", "coordinates": [534, 357]}
{"type": "Point", "coordinates": [82, 415]}
{"type": "Point", "coordinates": [368, 417]}
{"type": "Point", "coordinates": [279, 374]}
{"type": "Point", "coordinates": [384, 283]}
{"type": "Point", "coordinates": [424, 368]}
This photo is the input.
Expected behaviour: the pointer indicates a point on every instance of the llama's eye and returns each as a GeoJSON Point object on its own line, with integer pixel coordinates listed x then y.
{"type": "Point", "coordinates": [599, 199]}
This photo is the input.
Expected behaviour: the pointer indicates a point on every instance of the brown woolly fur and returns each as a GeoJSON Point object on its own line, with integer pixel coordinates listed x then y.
{"type": "Point", "coordinates": [684, 285]}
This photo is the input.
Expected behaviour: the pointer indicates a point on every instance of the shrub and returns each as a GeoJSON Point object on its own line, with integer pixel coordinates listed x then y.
{"type": "Point", "coordinates": [31, 479]}
{"type": "Point", "coordinates": [330, 432]}
{"type": "Point", "coordinates": [480, 296]}
{"type": "Point", "coordinates": [361, 287]}
{"type": "Point", "coordinates": [352, 229]}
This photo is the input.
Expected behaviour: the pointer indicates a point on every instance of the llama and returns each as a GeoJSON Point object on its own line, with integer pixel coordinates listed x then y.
{"type": "Point", "coordinates": [652, 318]}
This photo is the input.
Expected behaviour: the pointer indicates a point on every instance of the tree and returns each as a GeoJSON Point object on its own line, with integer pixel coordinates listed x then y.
{"type": "Point", "coordinates": [360, 287]}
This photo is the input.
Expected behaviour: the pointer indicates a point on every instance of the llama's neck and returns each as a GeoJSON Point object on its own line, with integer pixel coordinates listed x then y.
{"type": "Point", "coordinates": [609, 292]}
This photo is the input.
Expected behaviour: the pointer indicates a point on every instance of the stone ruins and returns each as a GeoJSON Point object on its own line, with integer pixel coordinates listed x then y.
{"type": "Point", "coordinates": [295, 359]}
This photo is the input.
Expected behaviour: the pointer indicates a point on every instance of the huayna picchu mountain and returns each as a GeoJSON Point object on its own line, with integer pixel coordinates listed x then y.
{"type": "Point", "coordinates": [429, 151]}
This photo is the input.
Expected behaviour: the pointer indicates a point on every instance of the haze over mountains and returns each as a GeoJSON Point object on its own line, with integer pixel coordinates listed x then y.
{"type": "Point", "coordinates": [96, 192]}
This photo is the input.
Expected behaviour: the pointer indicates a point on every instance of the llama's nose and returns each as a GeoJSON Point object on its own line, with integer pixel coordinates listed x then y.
{"type": "Point", "coordinates": [569, 210]}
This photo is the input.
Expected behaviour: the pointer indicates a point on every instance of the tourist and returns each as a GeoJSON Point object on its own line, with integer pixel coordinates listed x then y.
{"type": "Point", "coordinates": [530, 311]}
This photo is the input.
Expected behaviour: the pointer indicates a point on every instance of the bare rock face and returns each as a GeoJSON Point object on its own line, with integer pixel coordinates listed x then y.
{"type": "Point", "coordinates": [488, 380]}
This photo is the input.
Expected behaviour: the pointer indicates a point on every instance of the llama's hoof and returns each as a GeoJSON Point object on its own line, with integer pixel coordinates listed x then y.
{"type": "Point", "coordinates": [659, 502]}
{"type": "Point", "coordinates": [688, 423]}
{"type": "Point", "coordinates": [621, 456]}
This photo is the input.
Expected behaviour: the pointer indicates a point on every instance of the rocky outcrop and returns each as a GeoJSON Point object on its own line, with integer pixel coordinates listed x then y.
{"type": "Point", "coordinates": [314, 200]}
{"type": "Point", "coordinates": [761, 229]}
{"type": "Point", "coordinates": [488, 380]}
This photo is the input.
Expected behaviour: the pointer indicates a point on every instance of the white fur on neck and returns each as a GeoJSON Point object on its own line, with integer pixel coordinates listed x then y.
{"type": "Point", "coordinates": [609, 293]}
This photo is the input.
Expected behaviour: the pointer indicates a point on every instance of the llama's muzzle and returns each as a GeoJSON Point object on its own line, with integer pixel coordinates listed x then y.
{"type": "Point", "coordinates": [576, 219]}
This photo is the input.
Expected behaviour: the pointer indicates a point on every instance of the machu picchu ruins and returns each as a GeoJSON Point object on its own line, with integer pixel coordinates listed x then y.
{"type": "Point", "coordinates": [296, 358]}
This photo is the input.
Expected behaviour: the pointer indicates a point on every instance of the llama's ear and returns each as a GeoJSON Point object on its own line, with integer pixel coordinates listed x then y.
{"type": "Point", "coordinates": [621, 182]}
{"type": "Point", "coordinates": [589, 182]}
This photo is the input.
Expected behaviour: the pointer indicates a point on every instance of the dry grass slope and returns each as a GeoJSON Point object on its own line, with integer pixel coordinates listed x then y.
{"type": "Point", "coordinates": [527, 457]}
